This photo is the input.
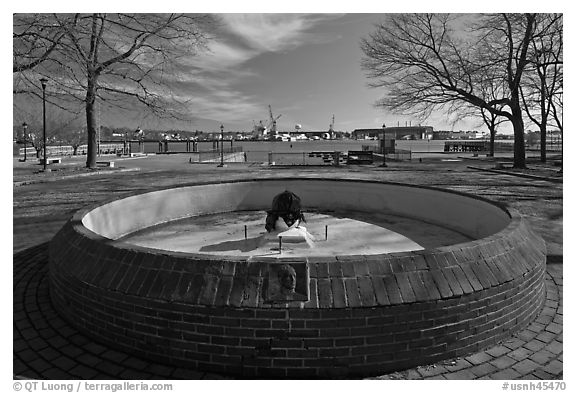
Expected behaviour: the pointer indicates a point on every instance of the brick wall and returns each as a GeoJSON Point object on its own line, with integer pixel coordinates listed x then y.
{"type": "Point", "coordinates": [365, 314]}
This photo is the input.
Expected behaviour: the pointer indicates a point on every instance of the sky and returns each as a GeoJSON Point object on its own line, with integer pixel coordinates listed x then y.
{"type": "Point", "coordinates": [305, 66]}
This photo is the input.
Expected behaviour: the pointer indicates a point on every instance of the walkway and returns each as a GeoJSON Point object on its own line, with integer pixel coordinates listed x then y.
{"type": "Point", "coordinates": [47, 347]}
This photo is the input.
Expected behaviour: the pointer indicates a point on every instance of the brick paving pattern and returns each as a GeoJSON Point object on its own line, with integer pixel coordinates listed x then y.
{"type": "Point", "coordinates": [46, 347]}
{"type": "Point", "coordinates": [534, 353]}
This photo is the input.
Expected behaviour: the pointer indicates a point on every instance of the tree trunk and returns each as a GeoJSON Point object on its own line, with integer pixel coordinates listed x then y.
{"type": "Point", "coordinates": [519, 148]}
{"type": "Point", "coordinates": [543, 119]}
{"type": "Point", "coordinates": [518, 126]}
{"type": "Point", "coordinates": [492, 137]}
{"type": "Point", "coordinates": [91, 122]}
{"type": "Point", "coordinates": [543, 142]}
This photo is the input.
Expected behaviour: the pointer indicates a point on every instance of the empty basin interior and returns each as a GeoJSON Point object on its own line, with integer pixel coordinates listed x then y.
{"type": "Point", "coordinates": [473, 218]}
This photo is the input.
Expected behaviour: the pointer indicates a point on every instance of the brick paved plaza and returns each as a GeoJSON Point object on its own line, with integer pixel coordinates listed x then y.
{"type": "Point", "coordinates": [46, 347]}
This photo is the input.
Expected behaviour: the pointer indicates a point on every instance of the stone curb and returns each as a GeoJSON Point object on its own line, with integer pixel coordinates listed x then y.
{"type": "Point", "coordinates": [534, 177]}
{"type": "Point", "coordinates": [56, 178]}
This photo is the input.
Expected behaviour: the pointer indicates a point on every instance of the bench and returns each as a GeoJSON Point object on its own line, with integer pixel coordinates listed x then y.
{"type": "Point", "coordinates": [360, 157]}
{"type": "Point", "coordinates": [51, 160]}
{"type": "Point", "coordinates": [503, 165]}
{"type": "Point", "coordinates": [105, 163]}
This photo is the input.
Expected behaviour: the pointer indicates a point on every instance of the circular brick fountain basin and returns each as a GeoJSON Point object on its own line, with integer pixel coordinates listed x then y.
{"type": "Point", "coordinates": [349, 314]}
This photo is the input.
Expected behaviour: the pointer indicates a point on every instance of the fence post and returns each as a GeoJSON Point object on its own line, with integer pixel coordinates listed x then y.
{"type": "Point", "coordinates": [336, 158]}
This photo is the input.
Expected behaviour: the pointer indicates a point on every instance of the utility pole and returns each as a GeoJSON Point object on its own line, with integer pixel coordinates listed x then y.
{"type": "Point", "coordinates": [43, 81]}
{"type": "Point", "coordinates": [221, 146]}
{"type": "Point", "coordinates": [98, 126]}
{"type": "Point", "coordinates": [384, 146]}
{"type": "Point", "coordinates": [25, 131]}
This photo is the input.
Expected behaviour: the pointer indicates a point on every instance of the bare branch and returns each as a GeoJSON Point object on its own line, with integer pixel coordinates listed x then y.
{"type": "Point", "coordinates": [423, 67]}
{"type": "Point", "coordinates": [120, 59]}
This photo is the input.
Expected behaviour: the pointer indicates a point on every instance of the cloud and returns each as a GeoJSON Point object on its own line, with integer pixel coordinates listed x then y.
{"type": "Point", "coordinates": [228, 109]}
{"type": "Point", "coordinates": [274, 32]}
{"type": "Point", "coordinates": [220, 104]}
{"type": "Point", "coordinates": [221, 55]}
{"type": "Point", "coordinates": [209, 79]}
{"type": "Point", "coordinates": [246, 36]}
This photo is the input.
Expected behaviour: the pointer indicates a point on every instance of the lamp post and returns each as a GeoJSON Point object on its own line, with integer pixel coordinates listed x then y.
{"type": "Point", "coordinates": [383, 146]}
{"type": "Point", "coordinates": [221, 146]}
{"type": "Point", "coordinates": [44, 81]}
{"type": "Point", "coordinates": [25, 131]}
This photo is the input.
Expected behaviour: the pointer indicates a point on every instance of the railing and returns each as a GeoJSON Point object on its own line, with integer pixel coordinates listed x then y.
{"type": "Point", "coordinates": [323, 158]}
{"type": "Point", "coordinates": [551, 146]}
{"type": "Point", "coordinates": [234, 154]}
{"type": "Point", "coordinates": [67, 150]}
{"type": "Point", "coordinates": [391, 153]}
{"type": "Point", "coordinates": [470, 146]}
{"type": "Point", "coordinates": [399, 155]}
{"type": "Point", "coordinates": [333, 158]}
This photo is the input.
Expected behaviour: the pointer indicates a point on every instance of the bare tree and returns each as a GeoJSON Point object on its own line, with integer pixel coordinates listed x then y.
{"type": "Point", "coordinates": [69, 130]}
{"type": "Point", "coordinates": [490, 86]}
{"type": "Point", "coordinates": [492, 121]}
{"type": "Point", "coordinates": [426, 67]}
{"type": "Point", "coordinates": [557, 110]}
{"type": "Point", "coordinates": [544, 79]}
{"type": "Point", "coordinates": [35, 37]}
{"type": "Point", "coordinates": [122, 60]}
{"type": "Point", "coordinates": [35, 41]}
{"type": "Point", "coordinates": [62, 127]}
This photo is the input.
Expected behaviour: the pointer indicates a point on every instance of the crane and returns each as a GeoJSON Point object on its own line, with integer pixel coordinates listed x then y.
{"type": "Point", "coordinates": [259, 129]}
{"type": "Point", "coordinates": [272, 122]}
{"type": "Point", "coordinates": [331, 131]}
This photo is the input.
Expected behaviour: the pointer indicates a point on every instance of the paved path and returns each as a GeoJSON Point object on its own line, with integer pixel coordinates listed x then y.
{"type": "Point", "coordinates": [534, 353]}
{"type": "Point", "coordinates": [47, 347]}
